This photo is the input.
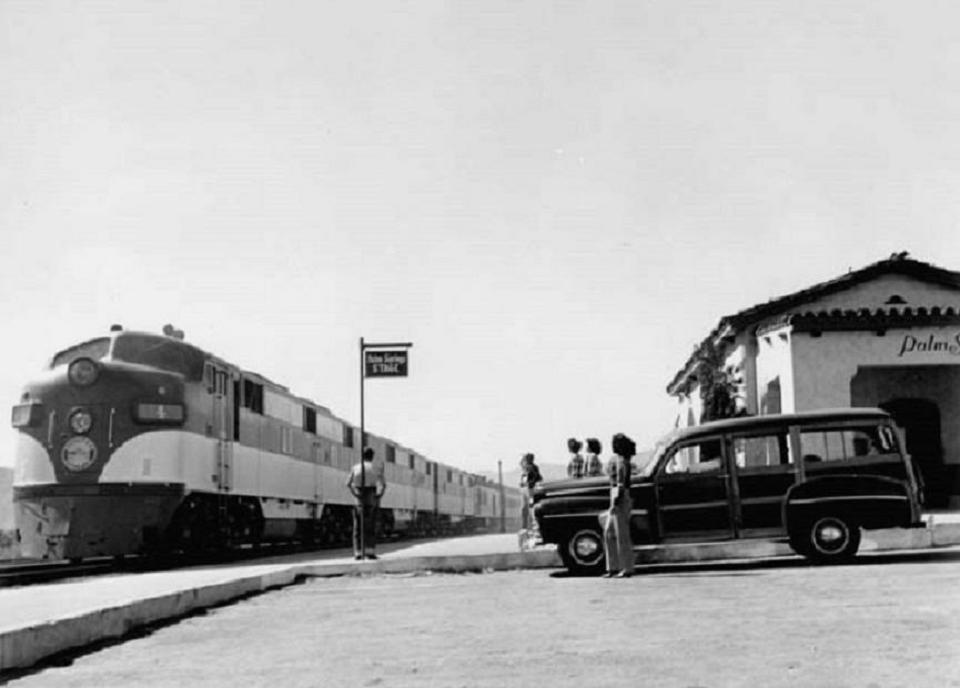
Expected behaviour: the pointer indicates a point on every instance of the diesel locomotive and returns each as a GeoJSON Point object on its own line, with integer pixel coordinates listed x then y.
{"type": "Point", "coordinates": [136, 442]}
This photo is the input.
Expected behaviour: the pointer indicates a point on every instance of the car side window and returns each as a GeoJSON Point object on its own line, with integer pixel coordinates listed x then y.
{"type": "Point", "coordinates": [845, 444]}
{"type": "Point", "coordinates": [762, 451]}
{"type": "Point", "coordinates": [695, 458]}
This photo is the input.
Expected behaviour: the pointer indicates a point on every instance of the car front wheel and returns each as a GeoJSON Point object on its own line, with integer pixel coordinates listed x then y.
{"type": "Point", "coordinates": [582, 552]}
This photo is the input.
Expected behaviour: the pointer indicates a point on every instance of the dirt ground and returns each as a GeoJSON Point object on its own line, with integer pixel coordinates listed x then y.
{"type": "Point", "coordinates": [890, 621]}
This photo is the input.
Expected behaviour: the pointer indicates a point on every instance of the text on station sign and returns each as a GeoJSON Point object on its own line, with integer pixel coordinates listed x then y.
{"type": "Point", "coordinates": [386, 363]}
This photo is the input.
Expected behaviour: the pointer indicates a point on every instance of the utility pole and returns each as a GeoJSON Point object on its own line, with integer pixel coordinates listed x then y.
{"type": "Point", "coordinates": [379, 363]}
{"type": "Point", "coordinates": [503, 506]}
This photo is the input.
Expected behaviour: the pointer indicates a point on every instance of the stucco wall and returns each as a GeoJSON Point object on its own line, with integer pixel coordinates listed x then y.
{"type": "Point", "coordinates": [6, 498]}
{"type": "Point", "coordinates": [774, 360]}
{"type": "Point", "coordinates": [689, 408]}
{"type": "Point", "coordinates": [824, 366]}
{"type": "Point", "coordinates": [816, 372]}
{"type": "Point", "coordinates": [742, 361]}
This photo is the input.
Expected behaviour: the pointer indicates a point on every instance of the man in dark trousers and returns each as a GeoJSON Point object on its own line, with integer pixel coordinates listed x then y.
{"type": "Point", "coordinates": [529, 477]}
{"type": "Point", "coordinates": [367, 485]}
{"type": "Point", "coordinates": [529, 535]}
{"type": "Point", "coordinates": [617, 545]}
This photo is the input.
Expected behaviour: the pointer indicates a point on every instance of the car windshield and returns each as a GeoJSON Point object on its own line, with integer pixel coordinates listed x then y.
{"type": "Point", "coordinates": [160, 352]}
{"type": "Point", "coordinates": [95, 349]}
{"type": "Point", "coordinates": [644, 463]}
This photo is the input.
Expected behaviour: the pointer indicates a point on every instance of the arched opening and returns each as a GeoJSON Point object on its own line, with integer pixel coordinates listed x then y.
{"type": "Point", "coordinates": [920, 420]}
{"type": "Point", "coordinates": [770, 401]}
{"type": "Point", "coordinates": [925, 400]}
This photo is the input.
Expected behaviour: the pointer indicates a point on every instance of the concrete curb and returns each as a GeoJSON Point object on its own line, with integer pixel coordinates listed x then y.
{"type": "Point", "coordinates": [23, 647]}
{"type": "Point", "coordinates": [500, 561]}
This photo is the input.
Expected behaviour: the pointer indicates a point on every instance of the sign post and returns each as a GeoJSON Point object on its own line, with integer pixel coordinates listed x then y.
{"type": "Point", "coordinates": [383, 359]}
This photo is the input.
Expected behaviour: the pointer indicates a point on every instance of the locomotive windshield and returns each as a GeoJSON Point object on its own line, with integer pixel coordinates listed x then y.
{"type": "Point", "coordinates": [95, 349]}
{"type": "Point", "coordinates": [159, 352]}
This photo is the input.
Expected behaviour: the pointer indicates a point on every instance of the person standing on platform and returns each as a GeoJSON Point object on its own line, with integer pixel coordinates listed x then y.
{"type": "Point", "coordinates": [367, 485]}
{"type": "Point", "coordinates": [576, 465]}
{"type": "Point", "coordinates": [529, 477]}
{"type": "Point", "coordinates": [594, 466]}
{"type": "Point", "coordinates": [617, 544]}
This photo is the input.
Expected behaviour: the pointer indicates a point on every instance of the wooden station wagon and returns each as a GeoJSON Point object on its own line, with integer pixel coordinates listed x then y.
{"type": "Point", "coordinates": [815, 478]}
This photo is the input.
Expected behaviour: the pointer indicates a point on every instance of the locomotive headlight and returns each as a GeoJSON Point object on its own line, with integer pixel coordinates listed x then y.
{"type": "Point", "coordinates": [78, 453]}
{"type": "Point", "coordinates": [83, 372]}
{"type": "Point", "coordinates": [26, 415]}
{"type": "Point", "coordinates": [80, 421]}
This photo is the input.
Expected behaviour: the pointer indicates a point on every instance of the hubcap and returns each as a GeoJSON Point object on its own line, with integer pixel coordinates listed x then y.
{"type": "Point", "coordinates": [830, 536]}
{"type": "Point", "coordinates": [585, 547]}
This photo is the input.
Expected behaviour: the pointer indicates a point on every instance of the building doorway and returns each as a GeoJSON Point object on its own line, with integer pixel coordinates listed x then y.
{"type": "Point", "coordinates": [923, 400]}
{"type": "Point", "coordinates": [920, 420]}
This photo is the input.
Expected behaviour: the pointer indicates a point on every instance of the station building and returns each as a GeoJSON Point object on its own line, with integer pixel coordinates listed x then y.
{"type": "Point", "coordinates": [886, 335]}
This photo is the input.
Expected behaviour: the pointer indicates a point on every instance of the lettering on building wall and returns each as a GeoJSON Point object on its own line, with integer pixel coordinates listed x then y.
{"type": "Point", "coordinates": [930, 344]}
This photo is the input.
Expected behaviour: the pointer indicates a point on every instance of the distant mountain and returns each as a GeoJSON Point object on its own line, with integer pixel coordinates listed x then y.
{"type": "Point", "coordinates": [556, 471]}
{"type": "Point", "coordinates": [6, 498]}
{"type": "Point", "coordinates": [511, 478]}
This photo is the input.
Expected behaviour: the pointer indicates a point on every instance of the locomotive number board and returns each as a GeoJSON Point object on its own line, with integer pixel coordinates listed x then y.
{"type": "Point", "coordinates": [385, 363]}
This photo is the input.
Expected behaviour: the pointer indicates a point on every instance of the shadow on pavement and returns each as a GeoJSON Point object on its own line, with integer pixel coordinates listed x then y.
{"type": "Point", "coordinates": [745, 567]}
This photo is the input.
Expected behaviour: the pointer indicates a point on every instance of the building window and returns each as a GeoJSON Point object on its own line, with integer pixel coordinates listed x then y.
{"type": "Point", "coordinates": [391, 454]}
{"type": "Point", "coordinates": [347, 436]}
{"type": "Point", "coordinates": [310, 419]}
{"type": "Point", "coordinates": [413, 461]}
{"type": "Point", "coordinates": [449, 476]}
{"type": "Point", "coordinates": [428, 470]}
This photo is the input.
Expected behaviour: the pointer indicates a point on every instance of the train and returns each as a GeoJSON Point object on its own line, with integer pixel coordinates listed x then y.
{"type": "Point", "coordinates": [136, 442]}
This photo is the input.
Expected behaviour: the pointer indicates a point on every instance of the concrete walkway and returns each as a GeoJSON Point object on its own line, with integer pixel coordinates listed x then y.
{"type": "Point", "coordinates": [41, 620]}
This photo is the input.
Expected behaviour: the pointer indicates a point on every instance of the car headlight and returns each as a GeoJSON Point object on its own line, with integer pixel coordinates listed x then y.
{"type": "Point", "coordinates": [80, 421]}
{"type": "Point", "coordinates": [83, 372]}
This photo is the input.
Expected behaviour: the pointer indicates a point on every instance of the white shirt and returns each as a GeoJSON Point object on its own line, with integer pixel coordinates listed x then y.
{"type": "Point", "coordinates": [373, 476]}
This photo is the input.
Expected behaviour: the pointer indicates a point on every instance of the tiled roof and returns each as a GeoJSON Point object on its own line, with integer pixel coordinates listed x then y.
{"type": "Point", "coordinates": [896, 264]}
{"type": "Point", "coordinates": [879, 320]}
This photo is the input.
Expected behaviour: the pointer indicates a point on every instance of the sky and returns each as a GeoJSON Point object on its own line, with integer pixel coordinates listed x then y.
{"type": "Point", "coordinates": [553, 201]}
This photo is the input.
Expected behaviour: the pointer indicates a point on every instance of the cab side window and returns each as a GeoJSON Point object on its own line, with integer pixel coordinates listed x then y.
{"type": "Point", "coordinates": [704, 456]}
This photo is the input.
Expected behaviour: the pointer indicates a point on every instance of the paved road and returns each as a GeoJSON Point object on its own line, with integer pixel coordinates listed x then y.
{"type": "Point", "coordinates": [889, 621]}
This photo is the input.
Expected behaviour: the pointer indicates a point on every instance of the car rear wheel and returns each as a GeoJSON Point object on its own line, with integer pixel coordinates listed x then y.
{"type": "Point", "coordinates": [827, 539]}
{"type": "Point", "coordinates": [582, 552]}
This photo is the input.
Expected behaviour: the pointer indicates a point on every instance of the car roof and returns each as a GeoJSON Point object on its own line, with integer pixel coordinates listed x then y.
{"type": "Point", "coordinates": [778, 419]}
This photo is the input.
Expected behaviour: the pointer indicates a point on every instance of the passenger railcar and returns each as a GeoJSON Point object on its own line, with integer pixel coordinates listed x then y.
{"type": "Point", "coordinates": [137, 442]}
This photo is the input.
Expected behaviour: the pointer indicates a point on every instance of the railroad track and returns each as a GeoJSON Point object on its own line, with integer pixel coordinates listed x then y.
{"type": "Point", "coordinates": [24, 572]}
{"type": "Point", "coordinates": [30, 573]}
